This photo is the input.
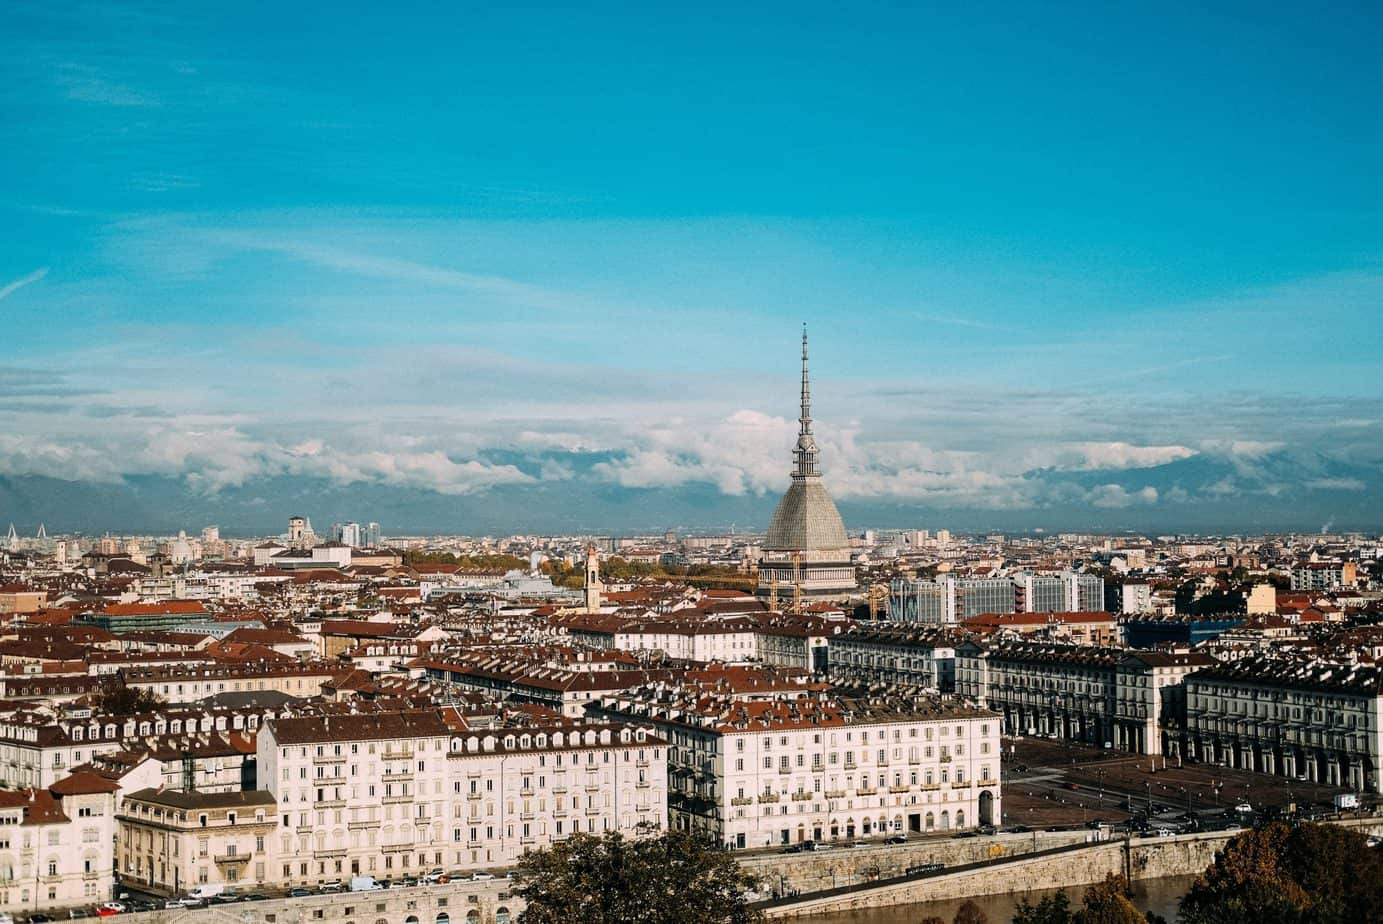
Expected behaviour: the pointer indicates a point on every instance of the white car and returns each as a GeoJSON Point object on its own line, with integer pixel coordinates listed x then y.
{"type": "Point", "coordinates": [1243, 807]}
{"type": "Point", "coordinates": [482, 876]}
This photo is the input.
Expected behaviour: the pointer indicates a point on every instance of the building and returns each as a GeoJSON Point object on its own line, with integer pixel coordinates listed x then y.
{"type": "Point", "coordinates": [1112, 697]}
{"type": "Point", "coordinates": [757, 773]}
{"type": "Point", "coordinates": [949, 599]}
{"type": "Point", "coordinates": [1128, 597]}
{"type": "Point", "coordinates": [19, 598]}
{"type": "Point", "coordinates": [1324, 575]}
{"type": "Point", "coordinates": [1305, 720]}
{"type": "Point", "coordinates": [919, 656]}
{"type": "Point", "coordinates": [56, 845]}
{"type": "Point", "coordinates": [1147, 631]}
{"type": "Point", "coordinates": [1098, 628]}
{"type": "Point", "coordinates": [806, 550]}
{"type": "Point", "coordinates": [171, 840]}
{"type": "Point", "coordinates": [395, 794]}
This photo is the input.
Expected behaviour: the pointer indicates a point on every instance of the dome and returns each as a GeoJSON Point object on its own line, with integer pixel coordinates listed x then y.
{"type": "Point", "coordinates": [806, 520]}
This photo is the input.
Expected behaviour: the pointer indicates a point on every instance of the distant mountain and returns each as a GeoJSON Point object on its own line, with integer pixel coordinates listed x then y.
{"type": "Point", "coordinates": [1205, 493]}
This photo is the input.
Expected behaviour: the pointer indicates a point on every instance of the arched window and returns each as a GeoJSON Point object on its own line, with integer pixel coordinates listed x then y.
{"type": "Point", "coordinates": [472, 917]}
{"type": "Point", "coordinates": [443, 918]}
{"type": "Point", "coordinates": [501, 915]}
{"type": "Point", "coordinates": [930, 821]}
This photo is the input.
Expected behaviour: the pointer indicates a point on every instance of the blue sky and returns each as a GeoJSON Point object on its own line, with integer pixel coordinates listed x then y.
{"type": "Point", "coordinates": [382, 243]}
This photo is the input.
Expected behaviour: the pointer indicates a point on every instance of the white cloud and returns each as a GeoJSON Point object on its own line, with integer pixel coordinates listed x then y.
{"type": "Point", "coordinates": [1116, 496]}
{"type": "Point", "coordinates": [23, 281]}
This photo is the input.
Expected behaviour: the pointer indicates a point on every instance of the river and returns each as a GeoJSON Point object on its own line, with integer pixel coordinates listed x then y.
{"type": "Point", "coordinates": [1159, 895]}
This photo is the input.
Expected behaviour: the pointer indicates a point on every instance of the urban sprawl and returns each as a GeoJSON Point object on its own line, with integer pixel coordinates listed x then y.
{"type": "Point", "coordinates": [195, 717]}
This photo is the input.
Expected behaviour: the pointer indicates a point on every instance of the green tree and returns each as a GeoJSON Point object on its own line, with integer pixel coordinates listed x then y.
{"type": "Point", "coordinates": [677, 878]}
{"type": "Point", "coordinates": [115, 697]}
{"type": "Point", "coordinates": [970, 913]}
{"type": "Point", "coordinates": [1054, 909]}
{"type": "Point", "coordinates": [1310, 874]}
{"type": "Point", "coordinates": [1107, 903]}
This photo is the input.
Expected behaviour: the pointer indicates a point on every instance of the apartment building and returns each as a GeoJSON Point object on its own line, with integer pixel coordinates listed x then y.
{"type": "Point", "coordinates": [171, 841]}
{"type": "Point", "coordinates": [756, 773]}
{"type": "Point", "coordinates": [1120, 698]}
{"type": "Point", "coordinates": [1324, 575]}
{"type": "Point", "coordinates": [56, 845]}
{"type": "Point", "coordinates": [908, 655]}
{"type": "Point", "coordinates": [1308, 720]}
{"type": "Point", "coordinates": [395, 794]}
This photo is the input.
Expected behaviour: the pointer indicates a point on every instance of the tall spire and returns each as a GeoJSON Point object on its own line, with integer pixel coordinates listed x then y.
{"type": "Point", "coordinates": [806, 444]}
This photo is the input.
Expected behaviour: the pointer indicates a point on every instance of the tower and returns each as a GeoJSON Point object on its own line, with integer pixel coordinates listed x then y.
{"type": "Point", "coordinates": [593, 585]}
{"type": "Point", "coordinates": [297, 532]}
{"type": "Point", "coordinates": [806, 543]}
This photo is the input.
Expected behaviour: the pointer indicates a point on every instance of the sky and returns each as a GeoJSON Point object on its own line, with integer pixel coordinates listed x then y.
{"type": "Point", "coordinates": [1115, 265]}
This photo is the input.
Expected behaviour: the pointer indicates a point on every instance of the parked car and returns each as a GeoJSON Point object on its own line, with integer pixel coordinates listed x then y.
{"type": "Point", "coordinates": [436, 875]}
{"type": "Point", "coordinates": [1243, 808]}
{"type": "Point", "coordinates": [481, 876]}
{"type": "Point", "coordinates": [299, 892]}
{"type": "Point", "coordinates": [896, 839]}
{"type": "Point", "coordinates": [106, 909]}
{"type": "Point", "coordinates": [858, 844]}
{"type": "Point", "coordinates": [333, 885]}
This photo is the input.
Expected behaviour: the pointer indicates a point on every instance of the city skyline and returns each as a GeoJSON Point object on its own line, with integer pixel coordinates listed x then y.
{"type": "Point", "coordinates": [538, 269]}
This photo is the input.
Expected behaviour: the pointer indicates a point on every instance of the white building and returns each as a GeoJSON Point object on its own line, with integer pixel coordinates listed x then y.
{"type": "Point", "coordinates": [755, 773]}
{"type": "Point", "coordinates": [396, 794]}
{"type": "Point", "coordinates": [56, 845]}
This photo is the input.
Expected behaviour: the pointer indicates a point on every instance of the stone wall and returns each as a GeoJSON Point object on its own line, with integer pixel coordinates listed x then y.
{"type": "Point", "coordinates": [1142, 858]}
{"type": "Point", "coordinates": [420, 905]}
{"type": "Point", "coordinates": [826, 869]}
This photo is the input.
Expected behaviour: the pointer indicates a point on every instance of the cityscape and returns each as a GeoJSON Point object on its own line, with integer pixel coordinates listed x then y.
{"type": "Point", "coordinates": [504, 466]}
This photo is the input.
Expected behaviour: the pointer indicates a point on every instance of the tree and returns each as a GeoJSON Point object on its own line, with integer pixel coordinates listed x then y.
{"type": "Point", "coordinates": [970, 913]}
{"type": "Point", "coordinates": [1310, 874]}
{"type": "Point", "coordinates": [678, 878]}
{"type": "Point", "coordinates": [1107, 903]}
{"type": "Point", "coordinates": [932, 919]}
{"type": "Point", "coordinates": [1054, 909]}
{"type": "Point", "coordinates": [115, 697]}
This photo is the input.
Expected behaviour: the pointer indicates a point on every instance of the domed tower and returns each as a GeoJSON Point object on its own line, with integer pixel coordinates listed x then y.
{"type": "Point", "coordinates": [806, 548]}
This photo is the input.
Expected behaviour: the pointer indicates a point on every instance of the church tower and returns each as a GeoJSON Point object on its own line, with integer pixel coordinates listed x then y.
{"type": "Point", "coordinates": [593, 585]}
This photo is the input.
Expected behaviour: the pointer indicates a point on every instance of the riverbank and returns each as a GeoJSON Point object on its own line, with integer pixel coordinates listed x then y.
{"type": "Point", "coordinates": [1157, 895]}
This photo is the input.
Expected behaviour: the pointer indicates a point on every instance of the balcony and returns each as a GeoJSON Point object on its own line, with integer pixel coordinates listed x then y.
{"type": "Point", "coordinates": [769, 797]}
{"type": "Point", "coordinates": [801, 796]}
{"type": "Point", "coordinates": [232, 858]}
{"type": "Point", "coordinates": [866, 791]}
{"type": "Point", "coordinates": [850, 765]}
{"type": "Point", "coordinates": [898, 789]}
{"type": "Point", "coordinates": [965, 785]}
{"type": "Point", "coordinates": [474, 796]}
{"type": "Point", "coordinates": [329, 759]}
{"type": "Point", "coordinates": [361, 825]}
{"type": "Point", "coordinates": [835, 794]}
{"type": "Point", "coordinates": [395, 800]}
{"type": "Point", "coordinates": [785, 770]}
{"type": "Point", "coordinates": [642, 784]}
{"type": "Point", "coordinates": [745, 800]}
{"type": "Point", "coordinates": [560, 788]}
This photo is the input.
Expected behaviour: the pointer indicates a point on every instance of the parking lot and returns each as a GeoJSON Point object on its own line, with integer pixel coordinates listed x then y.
{"type": "Point", "coordinates": [1051, 783]}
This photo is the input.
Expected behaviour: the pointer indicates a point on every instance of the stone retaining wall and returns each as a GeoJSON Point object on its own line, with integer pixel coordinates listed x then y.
{"type": "Point", "coordinates": [1142, 858]}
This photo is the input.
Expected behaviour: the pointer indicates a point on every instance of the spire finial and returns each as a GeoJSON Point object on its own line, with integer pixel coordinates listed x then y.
{"type": "Point", "coordinates": [806, 445]}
